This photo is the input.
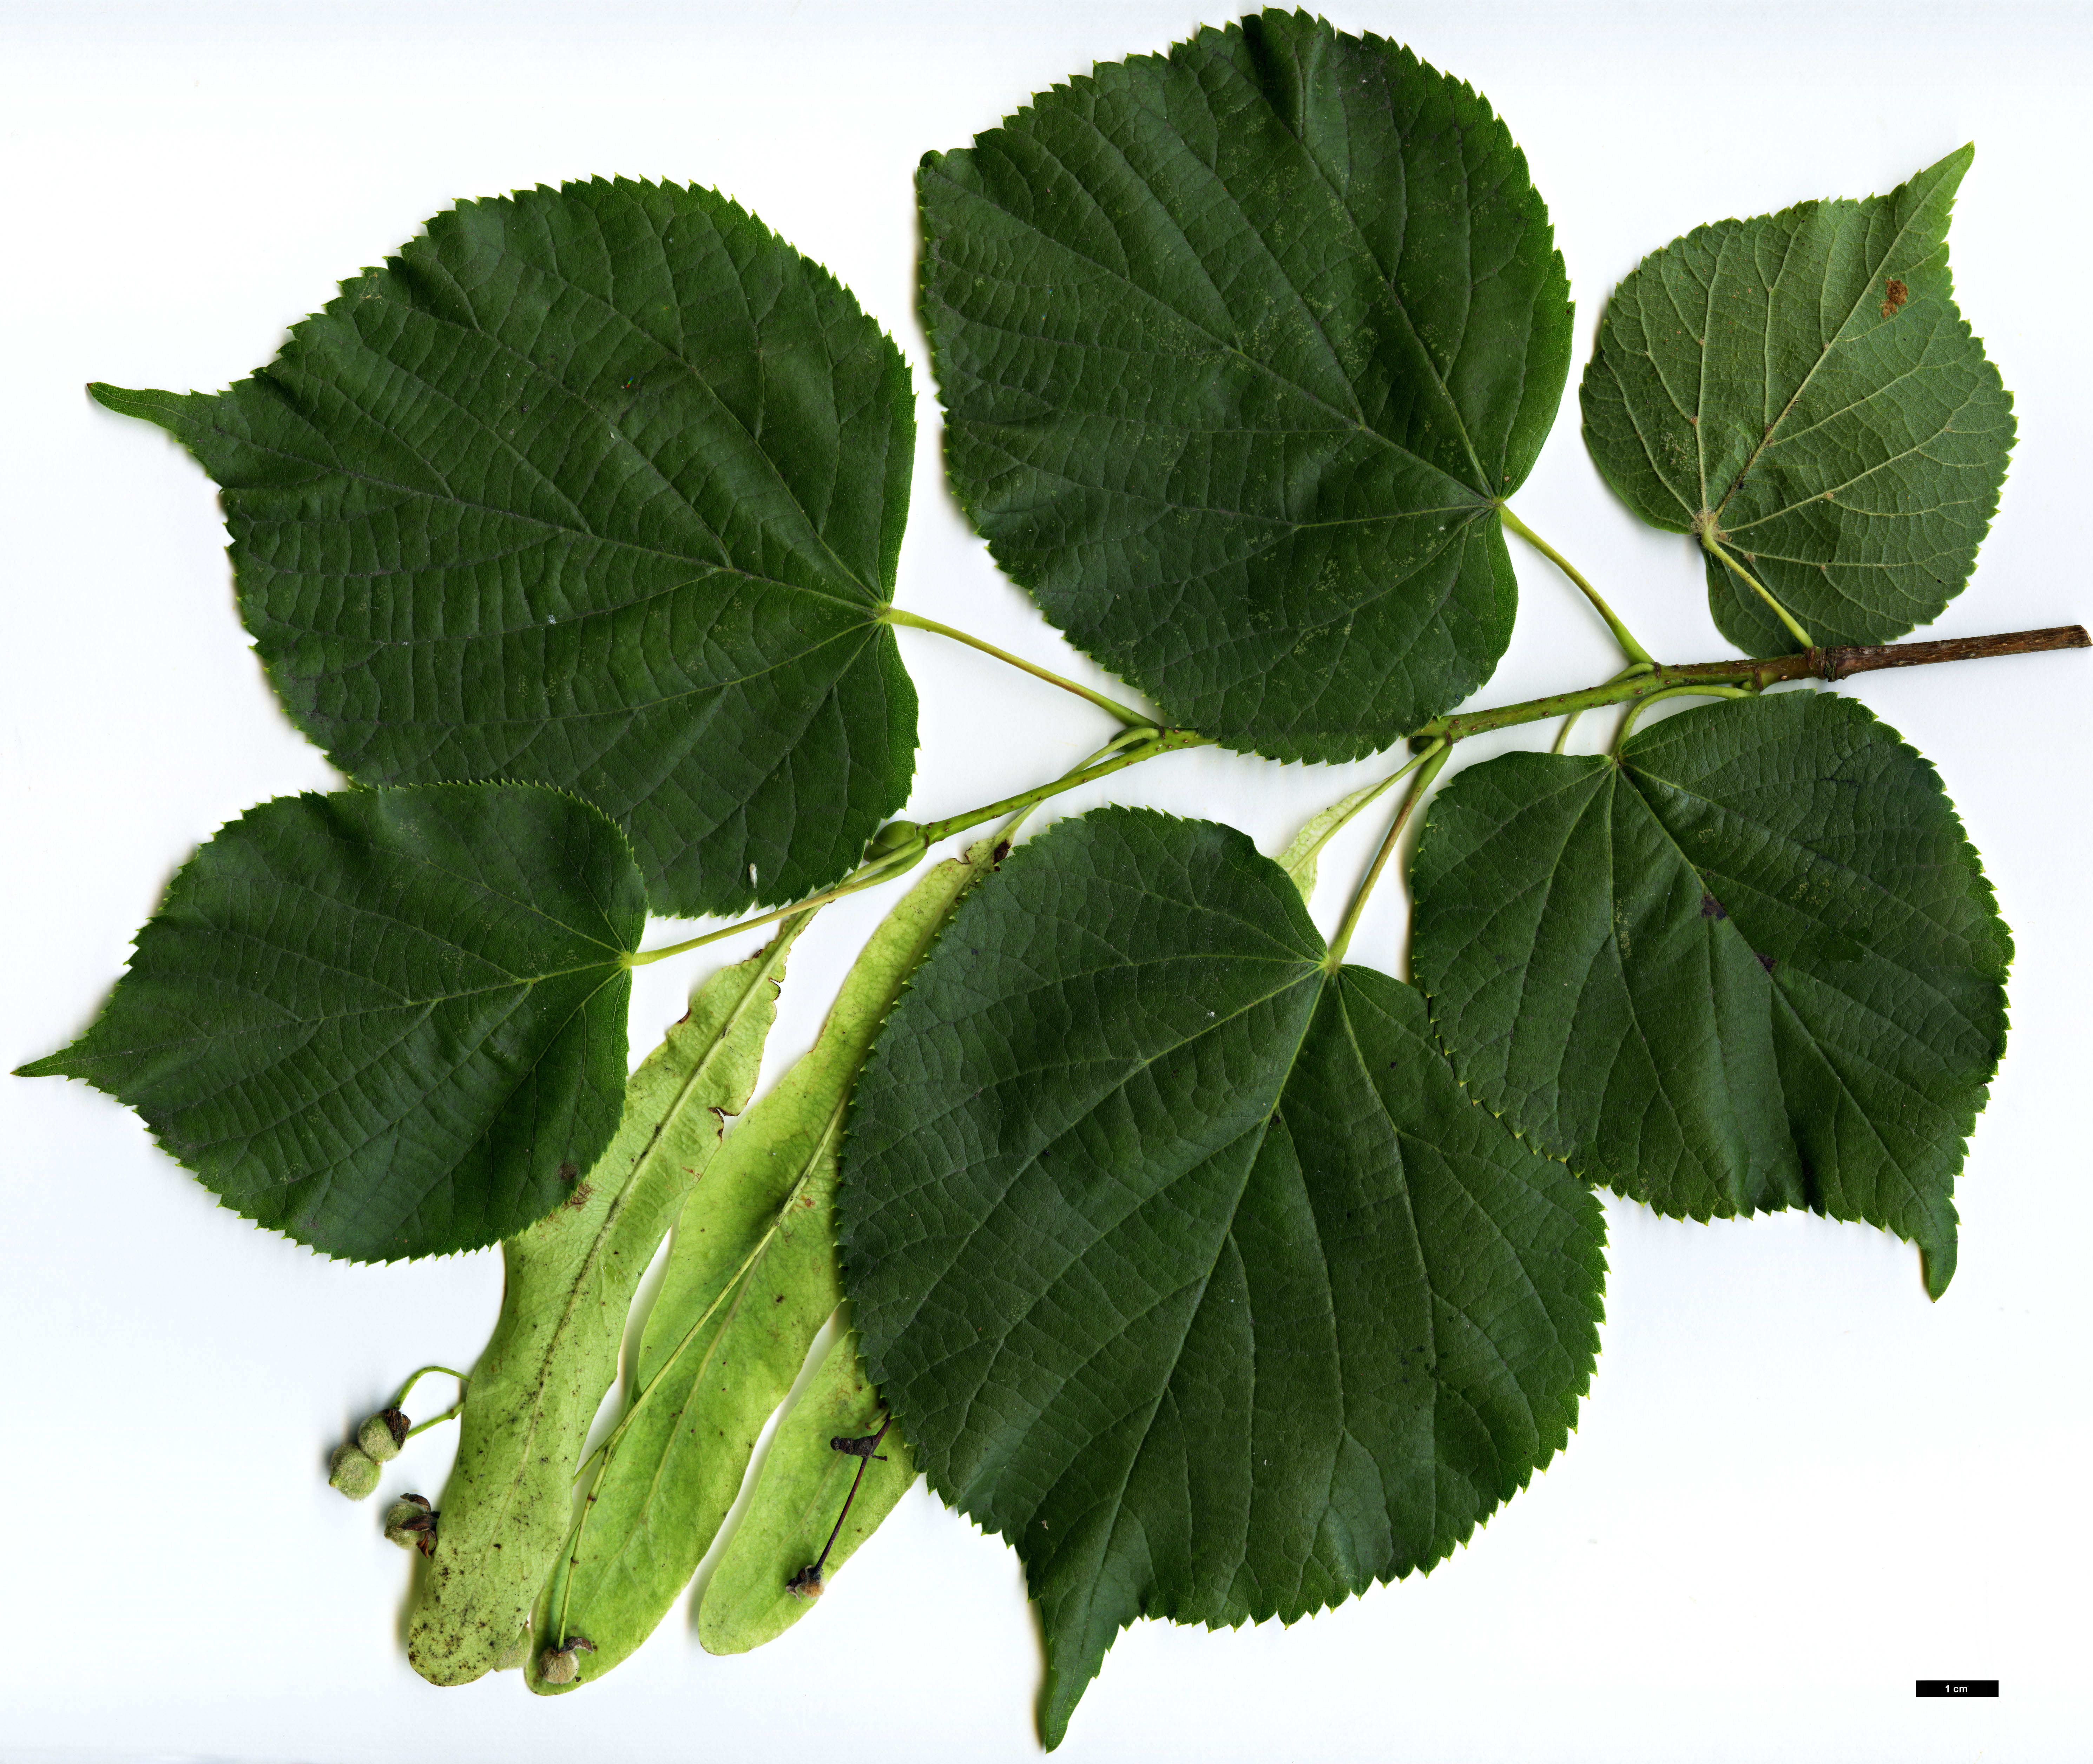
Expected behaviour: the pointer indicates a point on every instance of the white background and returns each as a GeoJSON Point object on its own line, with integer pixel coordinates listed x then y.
{"type": "Point", "coordinates": [1796, 1485]}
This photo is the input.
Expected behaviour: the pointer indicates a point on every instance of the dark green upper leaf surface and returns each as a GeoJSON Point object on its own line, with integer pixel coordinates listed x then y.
{"type": "Point", "coordinates": [1238, 349]}
{"type": "Point", "coordinates": [601, 486]}
{"type": "Point", "coordinates": [1754, 964]}
{"type": "Point", "coordinates": [387, 1023]}
{"type": "Point", "coordinates": [1802, 387]}
{"type": "Point", "coordinates": [1184, 1263]}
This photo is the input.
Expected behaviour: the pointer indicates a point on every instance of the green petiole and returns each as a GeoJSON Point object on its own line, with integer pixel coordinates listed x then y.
{"type": "Point", "coordinates": [1633, 650]}
{"type": "Point", "coordinates": [893, 615]}
{"type": "Point", "coordinates": [884, 868]}
{"type": "Point", "coordinates": [1716, 548]}
{"type": "Point", "coordinates": [1641, 705]}
{"type": "Point", "coordinates": [1143, 741]}
{"type": "Point", "coordinates": [1433, 757]}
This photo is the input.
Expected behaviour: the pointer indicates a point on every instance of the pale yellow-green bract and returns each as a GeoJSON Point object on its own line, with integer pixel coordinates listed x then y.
{"type": "Point", "coordinates": [799, 1496]}
{"type": "Point", "coordinates": [554, 1351]}
{"type": "Point", "coordinates": [750, 1279]}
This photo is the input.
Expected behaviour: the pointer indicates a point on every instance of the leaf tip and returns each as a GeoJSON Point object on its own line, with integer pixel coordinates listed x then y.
{"type": "Point", "coordinates": [1054, 1712]}
{"type": "Point", "coordinates": [154, 406]}
{"type": "Point", "coordinates": [1944, 176]}
{"type": "Point", "coordinates": [1936, 1263]}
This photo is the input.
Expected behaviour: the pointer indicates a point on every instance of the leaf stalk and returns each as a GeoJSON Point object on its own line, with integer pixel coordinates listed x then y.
{"type": "Point", "coordinates": [1151, 742]}
{"type": "Point", "coordinates": [1143, 741]}
{"type": "Point", "coordinates": [1622, 635]}
{"type": "Point", "coordinates": [1434, 758]}
{"type": "Point", "coordinates": [1641, 705]}
{"type": "Point", "coordinates": [1716, 548]}
{"type": "Point", "coordinates": [867, 876]}
{"type": "Point", "coordinates": [916, 621]}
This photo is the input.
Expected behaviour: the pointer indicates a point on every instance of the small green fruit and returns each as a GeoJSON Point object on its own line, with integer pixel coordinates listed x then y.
{"type": "Point", "coordinates": [411, 1523]}
{"type": "Point", "coordinates": [562, 1666]}
{"type": "Point", "coordinates": [382, 1434]}
{"type": "Point", "coordinates": [351, 1471]}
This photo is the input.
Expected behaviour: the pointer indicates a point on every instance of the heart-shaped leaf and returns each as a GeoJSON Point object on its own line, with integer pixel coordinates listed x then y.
{"type": "Point", "coordinates": [1799, 390]}
{"type": "Point", "coordinates": [1754, 964]}
{"type": "Point", "coordinates": [387, 1023]}
{"type": "Point", "coordinates": [1184, 1261]}
{"type": "Point", "coordinates": [601, 486]}
{"type": "Point", "coordinates": [1240, 348]}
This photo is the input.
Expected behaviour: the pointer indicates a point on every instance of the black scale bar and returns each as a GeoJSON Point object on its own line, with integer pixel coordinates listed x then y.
{"type": "Point", "coordinates": [1958, 1687]}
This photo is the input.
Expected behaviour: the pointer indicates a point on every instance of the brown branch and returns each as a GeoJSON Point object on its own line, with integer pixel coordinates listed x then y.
{"type": "Point", "coordinates": [1836, 662]}
{"type": "Point", "coordinates": [1860, 658]}
{"type": "Point", "coordinates": [1755, 675]}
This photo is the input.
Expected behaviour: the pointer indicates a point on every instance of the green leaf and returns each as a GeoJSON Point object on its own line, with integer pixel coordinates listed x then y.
{"type": "Point", "coordinates": [387, 1023]}
{"type": "Point", "coordinates": [1239, 349]}
{"type": "Point", "coordinates": [1185, 1261]}
{"type": "Point", "coordinates": [601, 486]}
{"type": "Point", "coordinates": [750, 1279]}
{"type": "Point", "coordinates": [799, 1497]}
{"type": "Point", "coordinates": [1752, 964]}
{"type": "Point", "coordinates": [1802, 388]}
{"type": "Point", "coordinates": [568, 1279]}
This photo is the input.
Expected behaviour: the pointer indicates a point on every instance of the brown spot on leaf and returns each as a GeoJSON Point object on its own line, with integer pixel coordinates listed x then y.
{"type": "Point", "coordinates": [1002, 851]}
{"type": "Point", "coordinates": [580, 1196]}
{"type": "Point", "coordinates": [1894, 294]}
{"type": "Point", "coordinates": [1765, 961]}
{"type": "Point", "coordinates": [569, 1172]}
{"type": "Point", "coordinates": [1711, 907]}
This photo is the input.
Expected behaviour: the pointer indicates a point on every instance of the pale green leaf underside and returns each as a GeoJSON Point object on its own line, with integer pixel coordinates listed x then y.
{"type": "Point", "coordinates": [1185, 1262]}
{"type": "Point", "coordinates": [601, 486]}
{"type": "Point", "coordinates": [386, 1023]}
{"type": "Point", "coordinates": [567, 1283]}
{"type": "Point", "coordinates": [1239, 347]}
{"type": "Point", "coordinates": [1754, 964]}
{"type": "Point", "coordinates": [1802, 387]}
{"type": "Point", "coordinates": [798, 1496]}
{"type": "Point", "coordinates": [750, 1281]}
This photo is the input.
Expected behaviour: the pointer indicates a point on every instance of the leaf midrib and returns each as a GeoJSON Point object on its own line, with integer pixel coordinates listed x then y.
{"type": "Point", "coordinates": [237, 495]}
{"type": "Point", "coordinates": [1344, 418]}
{"type": "Point", "coordinates": [1318, 978]}
{"type": "Point", "coordinates": [1776, 990]}
{"type": "Point", "coordinates": [676, 354]}
{"type": "Point", "coordinates": [433, 251]}
{"type": "Point", "coordinates": [219, 1033]}
{"type": "Point", "coordinates": [616, 950]}
{"type": "Point", "coordinates": [1395, 300]}
{"type": "Point", "coordinates": [1768, 438]}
